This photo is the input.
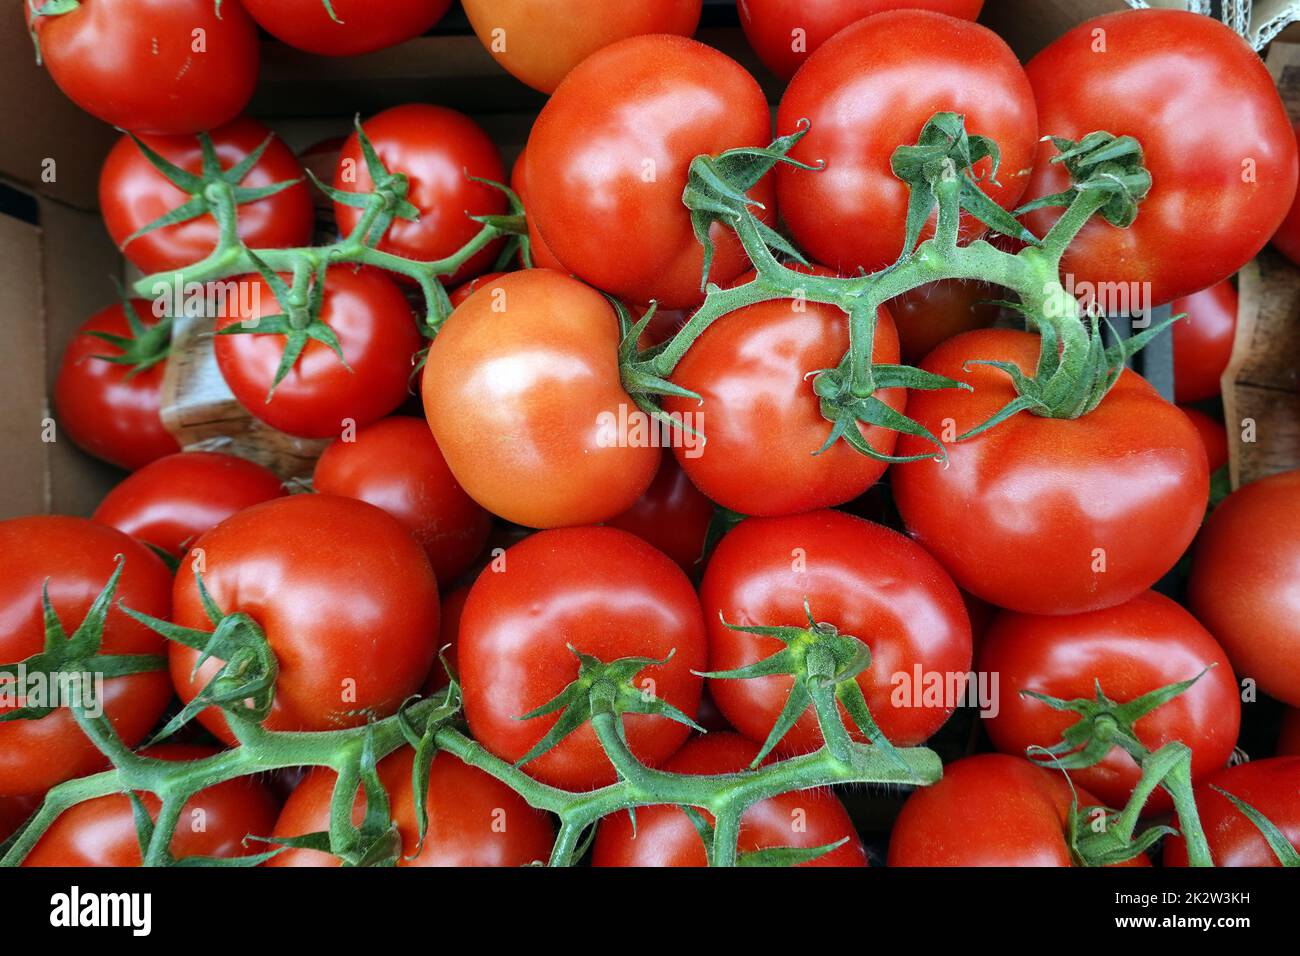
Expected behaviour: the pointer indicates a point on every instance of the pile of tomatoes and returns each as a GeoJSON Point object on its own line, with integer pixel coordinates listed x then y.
{"type": "Point", "coordinates": [472, 524]}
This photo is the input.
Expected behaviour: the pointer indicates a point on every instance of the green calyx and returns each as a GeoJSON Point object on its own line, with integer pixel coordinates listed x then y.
{"type": "Point", "coordinates": [825, 665]}
{"type": "Point", "coordinates": [386, 200]}
{"type": "Point", "coordinates": [212, 191]}
{"type": "Point", "coordinates": [67, 662]}
{"type": "Point", "coordinates": [1109, 167]}
{"type": "Point", "coordinates": [142, 347]}
{"type": "Point", "coordinates": [637, 370]}
{"type": "Point", "coordinates": [1286, 854]}
{"type": "Point", "coordinates": [774, 856]}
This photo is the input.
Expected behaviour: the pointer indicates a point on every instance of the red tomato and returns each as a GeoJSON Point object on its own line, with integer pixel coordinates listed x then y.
{"type": "Point", "coordinates": [937, 311]}
{"type": "Point", "coordinates": [1221, 151]}
{"type": "Point", "coordinates": [345, 598]}
{"type": "Point", "coordinates": [132, 194]}
{"type": "Point", "coordinates": [523, 393]}
{"type": "Point", "coordinates": [608, 594]}
{"type": "Point", "coordinates": [1213, 435]}
{"type": "Point", "coordinates": [463, 292]}
{"type": "Point", "coordinates": [672, 515]}
{"type": "Point", "coordinates": [395, 464]}
{"type": "Point", "coordinates": [785, 32]}
{"type": "Point", "coordinates": [542, 256]}
{"type": "Point", "coordinates": [1287, 238]}
{"type": "Point", "coordinates": [1132, 649]}
{"type": "Point", "coordinates": [608, 157]}
{"type": "Point", "coordinates": [77, 557]}
{"type": "Point", "coordinates": [760, 417]}
{"type": "Point", "coordinates": [321, 396]}
{"type": "Point", "coordinates": [358, 26]}
{"type": "Point", "coordinates": [14, 812]}
{"type": "Point", "coordinates": [1045, 515]}
{"type": "Point", "coordinates": [989, 810]}
{"type": "Point", "coordinates": [1270, 786]}
{"type": "Point", "coordinates": [474, 819]}
{"type": "Point", "coordinates": [665, 836]}
{"type": "Point", "coordinates": [540, 42]}
{"type": "Point", "coordinates": [152, 66]}
{"type": "Point", "coordinates": [170, 502]}
{"type": "Point", "coordinates": [865, 96]}
{"type": "Point", "coordinates": [438, 149]}
{"type": "Point", "coordinates": [1245, 583]}
{"type": "Point", "coordinates": [1203, 341]}
{"type": "Point", "coordinates": [866, 580]}
{"type": "Point", "coordinates": [213, 823]}
{"type": "Point", "coordinates": [1288, 742]}
{"type": "Point", "coordinates": [103, 407]}
{"type": "Point", "coordinates": [453, 605]}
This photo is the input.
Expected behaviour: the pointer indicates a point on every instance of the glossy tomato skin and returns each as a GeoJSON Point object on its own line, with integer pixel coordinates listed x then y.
{"type": "Point", "coordinates": [395, 464]}
{"type": "Point", "coordinates": [77, 557]}
{"type": "Point", "coordinates": [132, 194]}
{"type": "Point", "coordinates": [1287, 238]}
{"type": "Point", "coordinates": [542, 256]}
{"type": "Point", "coordinates": [937, 311]}
{"type": "Point", "coordinates": [866, 580]}
{"type": "Point", "coordinates": [474, 819]}
{"type": "Point", "coordinates": [213, 823]}
{"type": "Point", "coordinates": [523, 393]}
{"type": "Point", "coordinates": [1027, 514]}
{"type": "Point", "coordinates": [1203, 341]}
{"type": "Point", "coordinates": [134, 63]}
{"type": "Point", "coordinates": [361, 27]}
{"type": "Point", "coordinates": [170, 502]}
{"type": "Point", "coordinates": [539, 42]}
{"type": "Point", "coordinates": [101, 406]}
{"type": "Point", "coordinates": [320, 396]}
{"type": "Point", "coordinates": [989, 810]}
{"type": "Point", "coordinates": [1245, 583]}
{"type": "Point", "coordinates": [784, 33]}
{"type": "Point", "coordinates": [608, 158]}
{"type": "Point", "coordinates": [1213, 436]}
{"type": "Point", "coordinates": [665, 836]}
{"type": "Point", "coordinates": [344, 595]}
{"type": "Point", "coordinates": [453, 606]}
{"type": "Point", "coordinates": [436, 148]}
{"type": "Point", "coordinates": [672, 515]}
{"type": "Point", "coordinates": [1221, 151]}
{"type": "Point", "coordinates": [1132, 649]}
{"type": "Point", "coordinates": [609, 595]}
{"type": "Point", "coordinates": [760, 417]}
{"type": "Point", "coordinates": [865, 97]}
{"type": "Point", "coordinates": [1271, 786]}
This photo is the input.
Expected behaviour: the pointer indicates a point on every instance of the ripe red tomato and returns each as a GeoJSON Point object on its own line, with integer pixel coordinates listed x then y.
{"type": "Point", "coordinates": [522, 391]}
{"type": "Point", "coordinates": [345, 598]}
{"type": "Point", "coordinates": [665, 836]}
{"type": "Point", "coordinates": [608, 158]}
{"type": "Point", "coordinates": [1245, 583]}
{"type": "Point", "coordinates": [358, 26]}
{"type": "Point", "coordinates": [213, 823]}
{"type": "Point", "coordinates": [463, 292]}
{"type": "Point", "coordinates": [453, 605]}
{"type": "Point", "coordinates": [937, 311]}
{"type": "Point", "coordinates": [1213, 436]}
{"type": "Point", "coordinates": [760, 417]}
{"type": "Point", "coordinates": [102, 406]}
{"type": "Point", "coordinates": [321, 396]}
{"type": "Point", "coordinates": [474, 819]}
{"type": "Point", "coordinates": [1221, 151]}
{"type": "Point", "coordinates": [608, 594]}
{"type": "Point", "coordinates": [1287, 238]}
{"type": "Point", "coordinates": [989, 810]}
{"type": "Point", "coordinates": [1132, 649]}
{"type": "Point", "coordinates": [396, 465]}
{"type": "Point", "coordinates": [1270, 786]}
{"type": "Point", "coordinates": [672, 515]}
{"type": "Point", "coordinates": [1203, 341]}
{"type": "Point", "coordinates": [438, 149]}
{"type": "Point", "coordinates": [1288, 742]}
{"type": "Point", "coordinates": [865, 97]}
{"type": "Point", "coordinates": [77, 557]}
{"type": "Point", "coordinates": [541, 254]}
{"type": "Point", "coordinates": [151, 66]}
{"type": "Point", "coordinates": [170, 502]}
{"type": "Point", "coordinates": [866, 580]}
{"type": "Point", "coordinates": [1045, 515]}
{"type": "Point", "coordinates": [132, 194]}
{"type": "Point", "coordinates": [14, 812]}
{"type": "Point", "coordinates": [785, 32]}
{"type": "Point", "coordinates": [540, 42]}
